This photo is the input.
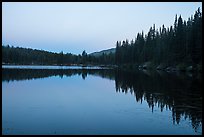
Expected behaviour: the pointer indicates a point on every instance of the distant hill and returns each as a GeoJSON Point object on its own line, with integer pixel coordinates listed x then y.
{"type": "Point", "coordinates": [107, 51]}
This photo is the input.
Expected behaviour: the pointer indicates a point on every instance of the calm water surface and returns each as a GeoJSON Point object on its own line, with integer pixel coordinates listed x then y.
{"type": "Point", "coordinates": [100, 101]}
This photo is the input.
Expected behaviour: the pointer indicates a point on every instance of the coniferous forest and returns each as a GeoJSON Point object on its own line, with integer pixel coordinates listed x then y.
{"type": "Point", "coordinates": [176, 47]}
{"type": "Point", "coordinates": [179, 45]}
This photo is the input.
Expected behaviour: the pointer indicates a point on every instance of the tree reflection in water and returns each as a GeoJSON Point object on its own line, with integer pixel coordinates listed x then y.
{"type": "Point", "coordinates": [179, 93]}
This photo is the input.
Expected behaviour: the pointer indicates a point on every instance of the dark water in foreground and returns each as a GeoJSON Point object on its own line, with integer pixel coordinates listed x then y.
{"type": "Point", "coordinates": [76, 101]}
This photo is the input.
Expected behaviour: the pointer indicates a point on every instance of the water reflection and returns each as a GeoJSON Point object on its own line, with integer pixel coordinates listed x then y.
{"type": "Point", "coordinates": [177, 92]}
{"type": "Point", "coordinates": [29, 74]}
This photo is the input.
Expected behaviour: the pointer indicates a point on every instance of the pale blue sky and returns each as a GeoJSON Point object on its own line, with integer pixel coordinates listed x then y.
{"type": "Point", "coordinates": [91, 26]}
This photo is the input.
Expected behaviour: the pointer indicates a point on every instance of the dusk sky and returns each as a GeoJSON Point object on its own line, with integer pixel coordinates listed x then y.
{"type": "Point", "coordinates": [92, 26]}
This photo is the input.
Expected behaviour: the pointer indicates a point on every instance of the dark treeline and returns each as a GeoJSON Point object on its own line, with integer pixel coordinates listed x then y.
{"type": "Point", "coordinates": [178, 46]}
{"type": "Point", "coordinates": [27, 56]}
{"type": "Point", "coordinates": [179, 93]}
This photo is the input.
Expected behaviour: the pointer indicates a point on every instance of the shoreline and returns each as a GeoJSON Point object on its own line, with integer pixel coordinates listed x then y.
{"type": "Point", "coordinates": [119, 67]}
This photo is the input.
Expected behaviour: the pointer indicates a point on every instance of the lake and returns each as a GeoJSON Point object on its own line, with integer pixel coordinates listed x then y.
{"type": "Point", "coordinates": [100, 102]}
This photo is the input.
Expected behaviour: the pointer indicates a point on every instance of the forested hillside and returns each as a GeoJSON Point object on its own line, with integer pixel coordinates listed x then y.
{"type": "Point", "coordinates": [27, 56]}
